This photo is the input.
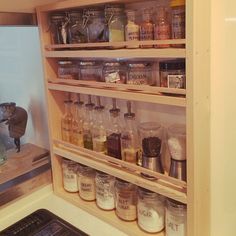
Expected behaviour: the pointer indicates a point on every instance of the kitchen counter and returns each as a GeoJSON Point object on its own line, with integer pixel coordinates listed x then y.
{"type": "Point", "coordinates": [44, 198]}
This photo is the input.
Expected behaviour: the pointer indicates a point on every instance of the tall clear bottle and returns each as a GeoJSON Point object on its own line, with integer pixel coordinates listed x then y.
{"type": "Point", "coordinates": [130, 150]}
{"type": "Point", "coordinates": [88, 124]}
{"type": "Point", "coordinates": [77, 123]}
{"type": "Point", "coordinates": [99, 130]}
{"type": "Point", "coordinates": [114, 133]}
{"type": "Point", "coordinates": [66, 122]}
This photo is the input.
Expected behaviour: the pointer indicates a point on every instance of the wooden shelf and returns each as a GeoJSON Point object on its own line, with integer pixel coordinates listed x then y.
{"type": "Point", "coordinates": [130, 228]}
{"type": "Point", "coordinates": [164, 185]}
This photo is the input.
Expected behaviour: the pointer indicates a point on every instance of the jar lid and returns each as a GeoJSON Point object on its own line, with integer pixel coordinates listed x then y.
{"type": "Point", "coordinates": [99, 108]}
{"type": "Point", "coordinates": [176, 204]}
{"type": "Point", "coordinates": [58, 16]}
{"type": "Point", "coordinates": [112, 64]}
{"type": "Point", "coordinates": [65, 62]}
{"type": "Point", "coordinates": [138, 65]}
{"type": "Point", "coordinates": [78, 103]}
{"type": "Point", "coordinates": [129, 115]}
{"type": "Point", "coordinates": [176, 3]}
{"type": "Point", "coordinates": [68, 101]}
{"type": "Point", "coordinates": [114, 111]}
{"type": "Point", "coordinates": [87, 63]}
{"type": "Point", "coordinates": [172, 65]}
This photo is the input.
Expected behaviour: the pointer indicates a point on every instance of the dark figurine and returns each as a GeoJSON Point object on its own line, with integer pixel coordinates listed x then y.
{"type": "Point", "coordinates": [16, 119]}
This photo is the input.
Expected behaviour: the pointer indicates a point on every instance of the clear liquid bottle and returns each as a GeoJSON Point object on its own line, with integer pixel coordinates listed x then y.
{"type": "Point", "coordinates": [66, 122]}
{"type": "Point", "coordinates": [99, 130]}
{"type": "Point", "coordinates": [114, 133]}
{"type": "Point", "coordinates": [130, 150]}
{"type": "Point", "coordinates": [88, 124]}
{"type": "Point", "coordinates": [77, 123]}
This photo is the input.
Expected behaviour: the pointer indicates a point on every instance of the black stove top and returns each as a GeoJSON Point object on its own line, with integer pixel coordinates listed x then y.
{"type": "Point", "coordinates": [42, 223]}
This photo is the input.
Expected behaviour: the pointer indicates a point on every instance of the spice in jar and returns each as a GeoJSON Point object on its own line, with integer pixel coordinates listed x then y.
{"type": "Point", "coordinates": [176, 218]}
{"type": "Point", "coordinates": [90, 71]}
{"type": "Point", "coordinates": [151, 211]}
{"type": "Point", "coordinates": [69, 169]}
{"type": "Point", "coordinates": [126, 200]}
{"type": "Point", "coordinates": [114, 72]}
{"type": "Point", "coordinates": [87, 183]}
{"type": "Point", "coordinates": [68, 70]}
{"type": "Point", "coordinates": [105, 198]}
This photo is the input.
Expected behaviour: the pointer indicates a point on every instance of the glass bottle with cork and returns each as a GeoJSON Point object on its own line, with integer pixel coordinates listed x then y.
{"type": "Point", "coordinates": [88, 124]}
{"type": "Point", "coordinates": [99, 130]}
{"type": "Point", "coordinates": [131, 29]}
{"type": "Point", "coordinates": [130, 150]}
{"type": "Point", "coordinates": [146, 28]}
{"type": "Point", "coordinates": [114, 133]}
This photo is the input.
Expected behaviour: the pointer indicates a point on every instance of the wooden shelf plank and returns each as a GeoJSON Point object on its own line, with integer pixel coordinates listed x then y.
{"type": "Point", "coordinates": [130, 228]}
{"type": "Point", "coordinates": [134, 96]}
{"type": "Point", "coordinates": [119, 53]}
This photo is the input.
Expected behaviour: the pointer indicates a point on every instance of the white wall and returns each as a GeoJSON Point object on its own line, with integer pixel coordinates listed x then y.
{"type": "Point", "coordinates": [21, 79]}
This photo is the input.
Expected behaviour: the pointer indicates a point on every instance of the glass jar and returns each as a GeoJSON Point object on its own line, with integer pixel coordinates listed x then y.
{"type": "Point", "coordinates": [151, 211]}
{"type": "Point", "coordinates": [76, 29]}
{"type": "Point", "coordinates": [66, 122]}
{"type": "Point", "coordinates": [67, 70]}
{"type": "Point", "coordinates": [114, 72]}
{"type": "Point", "coordinates": [90, 71]}
{"type": "Point", "coordinates": [140, 73]}
{"type": "Point", "coordinates": [176, 218]}
{"type": "Point", "coordinates": [94, 22]}
{"type": "Point", "coordinates": [172, 74]}
{"type": "Point", "coordinates": [105, 198]}
{"type": "Point", "coordinates": [70, 181]}
{"type": "Point", "coordinates": [126, 200]}
{"type": "Point", "coordinates": [59, 28]}
{"type": "Point", "coordinates": [87, 183]}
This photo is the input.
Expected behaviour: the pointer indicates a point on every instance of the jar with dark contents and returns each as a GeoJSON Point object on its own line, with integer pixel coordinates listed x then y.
{"type": "Point", "coordinates": [67, 69]}
{"type": "Point", "coordinates": [90, 71]}
{"type": "Point", "coordinates": [126, 200]}
{"type": "Point", "coordinates": [114, 72]}
{"type": "Point", "coordinates": [172, 74]}
{"type": "Point", "coordinates": [140, 73]}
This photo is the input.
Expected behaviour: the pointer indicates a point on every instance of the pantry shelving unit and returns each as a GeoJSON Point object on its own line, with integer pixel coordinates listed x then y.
{"type": "Point", "coordinates": [195, 100]}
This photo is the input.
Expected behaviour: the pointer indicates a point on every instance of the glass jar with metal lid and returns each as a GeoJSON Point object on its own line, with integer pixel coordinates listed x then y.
{"type": "Point", "coordinates": [59, 28]}
{"type": "Point", "coordinates": [176, 218]}
{"type": "Point", "coordinates": [140, 73]}
{"type": "Point", "coordinates": [90, 70]}
{"type": "Point", "coordinates": [151, 211]}
{"type": "Point", "coordinates": [94, 21]}
{"type": "Point", "coordinates": [114, 72]}
{"type": "Point", "coordinates": [126, 200]}
{"type": "Point", "coordinates": [76, 29]}
{"type": "Point", "coordinates": [67, 69]}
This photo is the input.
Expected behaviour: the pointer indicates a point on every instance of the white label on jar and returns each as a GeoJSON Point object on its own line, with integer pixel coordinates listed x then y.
{"type": "Point", "coordinates": [175, 81]}
{"type": "Point", "coordinates": [112, 77]}
{"type": "Point", "coordinates": [174, 227]}
{"type": "Point", "coordinates": [87, 188]}
{"type": "Point", "coordinates": [70, 181]}
{"type": "Point", "coordinates": [149, 218]}
{"type": "Point", "coordinates": [104, 198]}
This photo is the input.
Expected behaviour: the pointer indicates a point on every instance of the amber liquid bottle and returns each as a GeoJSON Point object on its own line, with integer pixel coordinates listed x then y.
{"type": "Point", "coordinates": [66, 122]}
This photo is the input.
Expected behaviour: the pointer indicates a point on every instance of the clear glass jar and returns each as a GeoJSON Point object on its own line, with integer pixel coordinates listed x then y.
{"type": "Point", "coordinates": [59, 28]}
{"type": "Point", "coordinates": [140, 73]}
{"type": "Point", "coordinates": [66, 122]}
{"type": "Point", "coordinates": [172, 74]}
{"type": "Point", "coordinates": [114, 72]}
{"type": "Point", "coordinates": [90, 71]}
{"type": "Point", "coordinates": [87, 183]}
{"type": "Point", "coordinates": [95, 25]}
{"type": "Point", "coordinates": [105, 198]}
{"type": "Point", "coordinates": [67, 70]}
{"type": "Point", "coordinates": [76, 30]}
{"type": "Point", "coordinates": [151, 211]}
{"type": "Point", "coordinates": [70, 181]}
{"type": "Point", "coordinates": [126, 200]}
{"type": "Point", "coordinates": [176, 218]}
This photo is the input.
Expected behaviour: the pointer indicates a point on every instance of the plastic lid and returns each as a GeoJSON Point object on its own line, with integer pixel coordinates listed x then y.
{"type": "Point", "coordinates": [172, 65]}
{"type": "Point", "coordinates": [176, 3]}
{"type": "Point", "coordinates": [65, 62]}
{"type": "Point", "coordinates": [112, 64]}
{"type": "Point", "coordinates": [87, 63]}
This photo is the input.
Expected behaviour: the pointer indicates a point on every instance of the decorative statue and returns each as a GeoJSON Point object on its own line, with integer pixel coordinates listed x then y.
{"type": "Point", "coordinates": [16, 119]}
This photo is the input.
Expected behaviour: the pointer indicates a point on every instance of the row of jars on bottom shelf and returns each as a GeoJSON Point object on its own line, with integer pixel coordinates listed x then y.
{"type": "Point", "coordinates": [152, 211]}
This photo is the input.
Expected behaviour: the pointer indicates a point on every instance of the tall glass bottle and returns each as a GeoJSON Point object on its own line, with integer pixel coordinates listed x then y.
{"type": "Point", "coordinates": [66, 122]}
{"type": "Point", "coordinates": [129, 138]}
{"type": "Point", "coordinates": [77, 123]}
{"type": "Point", "coordinates": [114, 133]}
{"type": "Point", "coordinates": [88, 124]}
{"type": "Point", "coordinates": [99, 130]}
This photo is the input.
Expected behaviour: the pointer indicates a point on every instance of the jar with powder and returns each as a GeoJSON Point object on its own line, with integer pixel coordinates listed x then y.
{"type": "Point", "coordinates": [151, 211]}
{"type": "Point", "coordinates": [126, 200]}
{"type": "Point", "coordinates": [105, 198]}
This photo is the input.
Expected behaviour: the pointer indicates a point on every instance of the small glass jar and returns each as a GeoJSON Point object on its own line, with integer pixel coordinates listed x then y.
{"type": "Point", "coordinates": [126, 200]}
{"type": "Point", "coordinates": [105, 198]}
{"type": "Point", "coordinates": [151, 211]}
{"type": "Point", "coordinates": [67, 70]}
{"type": "Point", "coordinates": [87, 183]}
{"type": "Point", "coordinates": [114, 72]}
{"type": "Point", "coordinates": [90, 71]}
{"type": "Point", "coordinates": [66, 121]}
{"type": "Point", "coordinates": [70, 181]}
{"type": "Point", "coordinates": [140, 73]}
{"type": "Point", "coordinates": [176, 218]}
{"type": "Point", "coordinates": [172, 74]}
